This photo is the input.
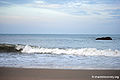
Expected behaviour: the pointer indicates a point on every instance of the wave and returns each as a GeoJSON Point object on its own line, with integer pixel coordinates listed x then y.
{"type": "Point", "coordinates": [33, 49]}
{"type": "Point", "coordinates": [10, 48]}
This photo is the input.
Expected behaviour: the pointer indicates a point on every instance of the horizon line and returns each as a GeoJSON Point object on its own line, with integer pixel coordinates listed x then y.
{"type": "Point", "coordinates": [50, 33]}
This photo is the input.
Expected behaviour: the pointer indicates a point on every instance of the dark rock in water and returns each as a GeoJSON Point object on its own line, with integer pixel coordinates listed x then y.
{"type": "Point", "coordinates": [104, 38]}
{"type": "Point", "coordinates": [8, 48]}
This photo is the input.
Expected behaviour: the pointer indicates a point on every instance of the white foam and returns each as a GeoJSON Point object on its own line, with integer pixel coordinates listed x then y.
{"type": "Point", "coordinates": [18, 47]}
{"type": "Point", "coordinates": [82, 51]}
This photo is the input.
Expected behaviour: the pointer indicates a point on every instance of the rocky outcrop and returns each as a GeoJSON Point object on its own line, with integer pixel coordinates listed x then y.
{"type": "Point", "coordinates": [104, 38]}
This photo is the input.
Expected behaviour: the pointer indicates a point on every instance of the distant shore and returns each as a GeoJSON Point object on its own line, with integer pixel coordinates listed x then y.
{"type": "Point", "coordinates": [56, 74]}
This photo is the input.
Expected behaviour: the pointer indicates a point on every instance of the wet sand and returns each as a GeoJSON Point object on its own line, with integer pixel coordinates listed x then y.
{"type": "Point", "coordinates": [55, 74]}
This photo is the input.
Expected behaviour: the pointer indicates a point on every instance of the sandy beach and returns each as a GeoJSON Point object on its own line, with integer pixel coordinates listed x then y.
{"type": "Point", "coordinates": [54, 74]}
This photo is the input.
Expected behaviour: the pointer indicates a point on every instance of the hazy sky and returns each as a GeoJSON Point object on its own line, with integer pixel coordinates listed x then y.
{"type": "Point", "coordinates": [59, 16]}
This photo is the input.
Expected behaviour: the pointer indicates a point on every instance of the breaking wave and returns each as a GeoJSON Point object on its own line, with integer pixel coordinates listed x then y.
{"type": "Point", "coordinates": [82, 51]}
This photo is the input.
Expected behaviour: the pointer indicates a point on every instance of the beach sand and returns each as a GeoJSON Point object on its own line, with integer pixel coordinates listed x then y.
{"type": "Point", "coordinates": [54, 74]}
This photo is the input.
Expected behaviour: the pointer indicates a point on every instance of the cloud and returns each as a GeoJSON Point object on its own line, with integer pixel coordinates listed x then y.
{"type": "Point", "coordinates": [80, 7]}
{"type": "Point", "coordinates": [97, 8]}
{"type": "Point", "coordinates": [43, 4]}
{"type": "Point", "coordinates": [54, 15]}
{"type": "Point", "coordinates": [5, 3]}
{"type": "Point", "coordinates": [39, 2]}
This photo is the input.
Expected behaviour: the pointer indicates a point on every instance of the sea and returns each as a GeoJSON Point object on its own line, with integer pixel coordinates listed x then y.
{"type": "Point", "coordinates": [60, 51]}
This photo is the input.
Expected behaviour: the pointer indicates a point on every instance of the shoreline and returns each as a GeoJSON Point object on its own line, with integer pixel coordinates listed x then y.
{"type": "Point", "coordinates": [10, 73]}
{"type": "Point", "coordinates": [58, 68]}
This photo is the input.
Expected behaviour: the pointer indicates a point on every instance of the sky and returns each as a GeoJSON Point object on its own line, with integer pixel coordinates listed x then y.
{"type": "Point", "coordinates": [59, 16]}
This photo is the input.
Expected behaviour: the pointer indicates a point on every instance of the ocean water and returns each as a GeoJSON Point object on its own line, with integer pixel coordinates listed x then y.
{"type": "Point", "coordinates": [61, 51]}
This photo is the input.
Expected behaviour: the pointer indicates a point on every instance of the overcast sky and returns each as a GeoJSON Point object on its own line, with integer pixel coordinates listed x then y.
{"type": "Point", "coordinates": [59, 16]}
